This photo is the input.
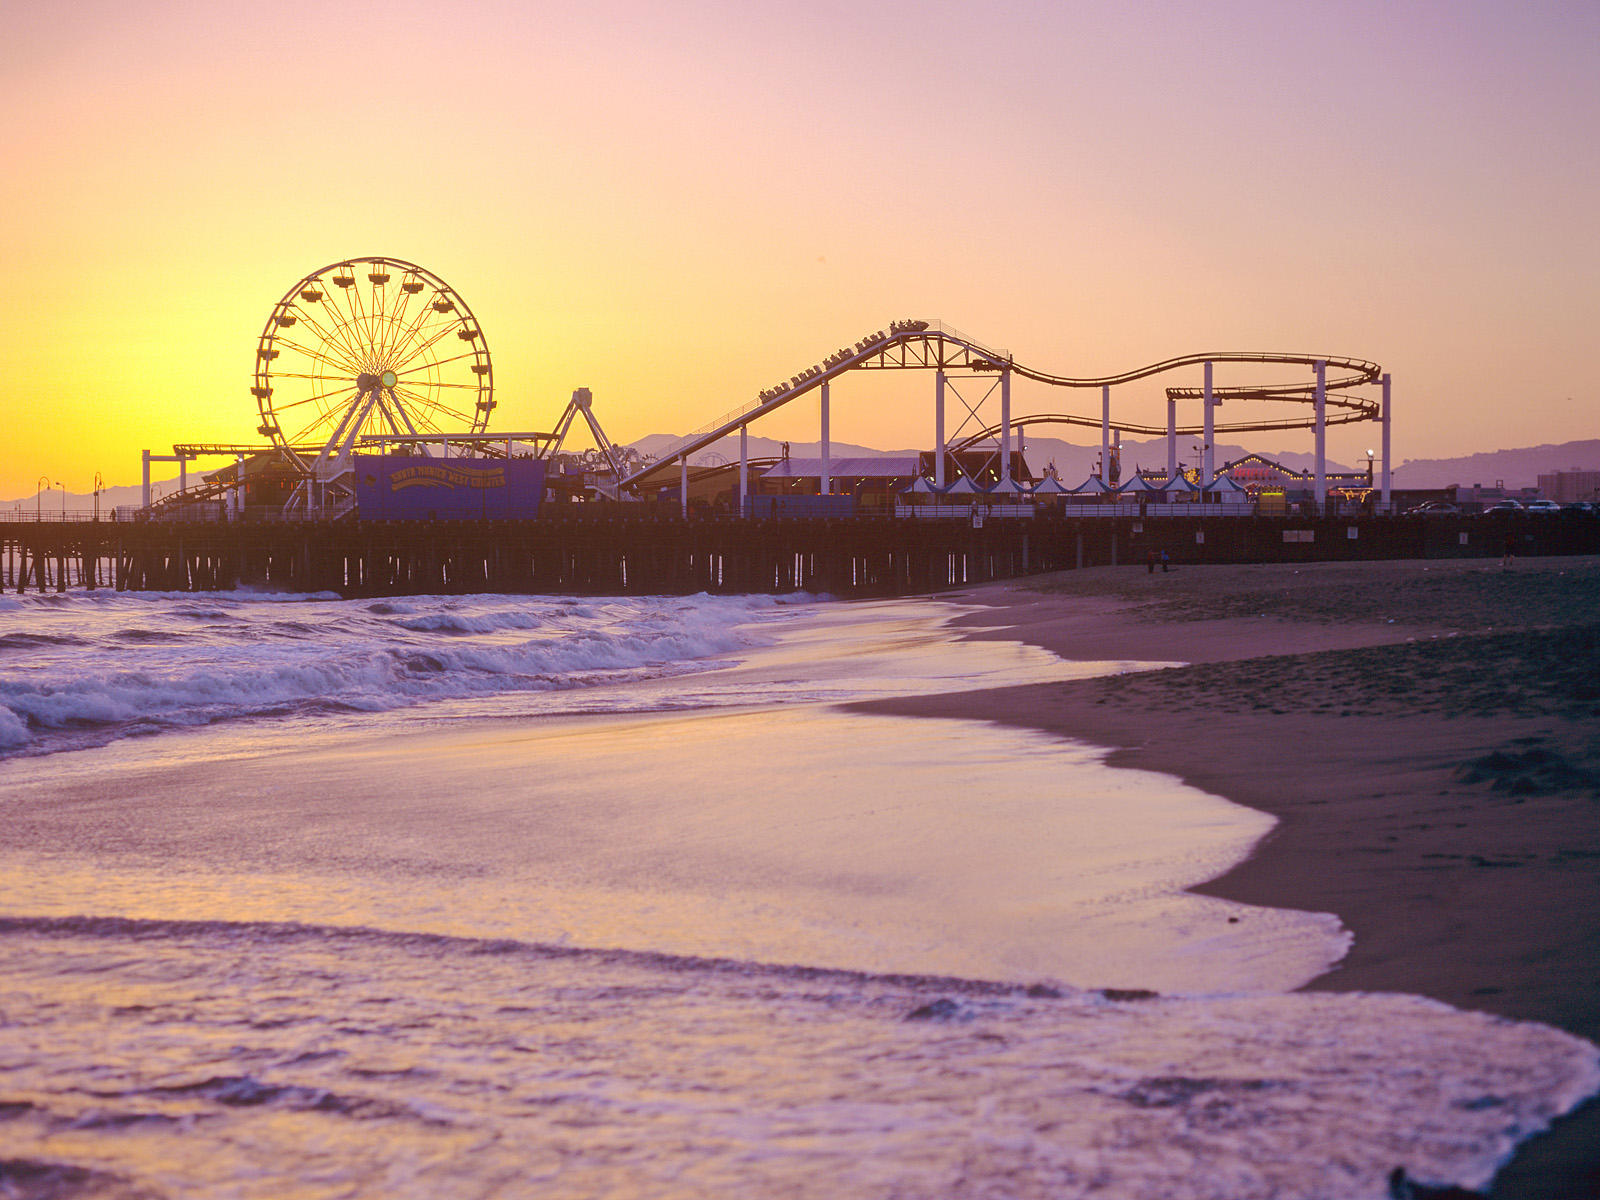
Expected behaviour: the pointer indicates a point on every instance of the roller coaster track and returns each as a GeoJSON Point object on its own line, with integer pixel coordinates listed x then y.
{"type": "Point", "coordinates": [924, 345]}
{"type": "Point", "coordinates": [1348, 414]}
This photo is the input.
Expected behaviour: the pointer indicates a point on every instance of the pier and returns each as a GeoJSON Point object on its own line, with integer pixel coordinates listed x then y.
{"type": "Point", "coordinates": [604, 550]}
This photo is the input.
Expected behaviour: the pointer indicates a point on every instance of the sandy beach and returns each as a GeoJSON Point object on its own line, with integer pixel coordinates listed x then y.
{"type": "Point", "coordinates": [476, 895]}
{"type": "Point", "coordinates": [1426, 734]}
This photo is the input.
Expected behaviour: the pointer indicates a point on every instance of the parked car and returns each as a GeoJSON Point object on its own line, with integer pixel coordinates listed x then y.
{"type": "Point", "coordinates": [1582, 507]}
{"type": "Point", "coordinates": [1542, 506]}
{"type": "Point", "coordinates": [1503, 506]}
{"type": "Point", "coordinates": [1434, 508]}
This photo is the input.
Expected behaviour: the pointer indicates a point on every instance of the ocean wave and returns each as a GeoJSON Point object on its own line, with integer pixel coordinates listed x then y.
{"type": "Point", "coordinates": [289, 933]}
{"type": "Point", "coordinates": [146, 637]}
{"type": "Point", "coordinates": [32, 641]}
{"type": "Point", "coordinates": [450, 622]}
{"type": "Point", "coordinates": [342, 656]}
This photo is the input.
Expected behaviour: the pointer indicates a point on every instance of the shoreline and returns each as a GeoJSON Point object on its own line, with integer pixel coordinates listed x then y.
{"type": "Point", "coordinates": [1424, 734]}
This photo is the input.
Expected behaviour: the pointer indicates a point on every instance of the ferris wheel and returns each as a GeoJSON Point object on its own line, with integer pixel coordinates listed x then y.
{"type": "Point", "coordinates": [370, 346]}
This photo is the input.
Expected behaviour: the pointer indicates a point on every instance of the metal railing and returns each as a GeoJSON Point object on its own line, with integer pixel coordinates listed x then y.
{"type": "Point", "coordinates": [19, 515]}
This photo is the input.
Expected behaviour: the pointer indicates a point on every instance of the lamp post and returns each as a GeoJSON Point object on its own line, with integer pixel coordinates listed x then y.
{"type": "Point", "coordinates": [99, 486]}
{"type": "Point", "coordinates": [38, 499]}
{"type": "Point", "coordinates": [63, 500]}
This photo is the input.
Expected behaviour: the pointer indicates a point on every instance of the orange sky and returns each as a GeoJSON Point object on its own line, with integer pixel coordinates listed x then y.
{"type": "Point", "coordinates": [677, 205]}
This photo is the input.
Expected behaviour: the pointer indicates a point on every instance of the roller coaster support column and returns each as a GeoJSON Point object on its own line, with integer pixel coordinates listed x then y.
{"type": "Point", "coordinates": [744, 470]}
{"type": "Point", "coordinates": [1172, 438]}
{"type": "Point", "coordinates": [183, 471]}
{"type": "Point", "coordinates": [1105, 434]}
{"type": "Point", "coordinates": [1005, 430]}
{"type": "Point", "coordinates": [1208, 451]}
{"type": "Point", "coordinates": [938, 429]}
{"type": "Point", "coordinates": [1320, 465]}
{"type": "Point", "coordinates": [827, 448]}
{"type": "Point", "coordinates": [1387, 478]}
{"type": "Point", "coordinates": [683, 484]}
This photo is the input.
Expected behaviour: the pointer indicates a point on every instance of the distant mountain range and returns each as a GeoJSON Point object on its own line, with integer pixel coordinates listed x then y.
{"type": "Point", "coordinates": [49, 501]}
{"type": "Point", "coordinates": [1518, 468]}
{"type": "Point", "coordinates": [1073, 462]}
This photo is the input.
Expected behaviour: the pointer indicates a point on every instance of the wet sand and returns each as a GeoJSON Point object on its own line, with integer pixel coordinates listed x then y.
{"type": "Point", "coordinates": [1428, 735]}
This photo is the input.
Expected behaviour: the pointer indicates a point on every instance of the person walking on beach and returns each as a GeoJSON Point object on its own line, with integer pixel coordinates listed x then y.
{"type": "Point", "coordinates": [1510, 550]}
{"type": "Point", "coordinates": [1164, 562]}
{"type": "Point", "coordinates": [1150, 562]}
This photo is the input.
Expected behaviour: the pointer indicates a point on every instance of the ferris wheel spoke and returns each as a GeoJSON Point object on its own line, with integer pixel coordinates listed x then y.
{"type": "Point", "coordinates": [323, 419]}
{"type": "Point", "coordinates": [317, 355]}
{"type": "Point", "coordinates": [425, 407]}
{"type": "Point", "coordinates": [424, 347]}
{"type": "Point", "coordinates": [417, 329]}
{"type": "Point", "coordinates": [317, 399]}
{"type": "Point", "coordinates": [322, 319]}
{"type": "Point", "coordinates": [414, 329]}
{"type": "Point", "coordinates": [438, 362]}
{"type": "Point", "coordinates": [415, 419]}
{"type": "Point", "coordinates": [395, 329]}
{"type": "Point", "coordinates": [338, 336]}
{"type": "Point", "coordinates": [321, 378]}
{"type": "Point", "coordinates": [350, 324]}
{"type": "Point", "coordinates": [380, 318]}
{"type": "Point", "coordinates": [360, 327]}
{"type": "Point", "coordinates": [381, 414]}
{"type": "Point", "coordinates": [395, 425]}
{"type": "Point", "coordinates": [420, 339]}
{"type": "Point", "coordinates": [359, 309]}
{"type": "Point", "coordinates": [311, 352]}
{"type": "Point", "coordinates": [433, 405]}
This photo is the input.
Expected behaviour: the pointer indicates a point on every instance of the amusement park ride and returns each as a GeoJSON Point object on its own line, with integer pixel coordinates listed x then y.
{"type": "Point", "coordinates": [376, 356]}
{"type": "Point", "coordinates": [365, 356]}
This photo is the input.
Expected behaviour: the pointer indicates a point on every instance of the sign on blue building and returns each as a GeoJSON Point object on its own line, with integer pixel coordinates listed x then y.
{"type": "Point", "coordinates": [392, 487]}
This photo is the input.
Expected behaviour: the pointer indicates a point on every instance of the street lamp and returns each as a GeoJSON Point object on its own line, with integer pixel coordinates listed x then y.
{"type": "Point", "coordinates": [99, 486]}
{"type": "Point", "coordinates": [38, 499]}
{"type": "Point", "coordinates": [1369, 468]}
{"type": "Point", "coordinates": [63, 500]}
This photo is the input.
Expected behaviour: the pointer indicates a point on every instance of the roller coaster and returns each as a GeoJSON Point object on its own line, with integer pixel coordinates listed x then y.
{"type": "Point", "coordinates": [927, 345]}
{"type": "Point", "coordinates": [374, 355]}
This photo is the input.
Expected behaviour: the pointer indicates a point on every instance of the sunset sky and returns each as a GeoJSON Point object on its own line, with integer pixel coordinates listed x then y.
{"type": "Point", "coordinates": [676, 205]}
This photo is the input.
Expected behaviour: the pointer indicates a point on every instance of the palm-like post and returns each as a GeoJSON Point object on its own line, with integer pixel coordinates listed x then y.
{"type": "Point", "coordinates": [38, 498]}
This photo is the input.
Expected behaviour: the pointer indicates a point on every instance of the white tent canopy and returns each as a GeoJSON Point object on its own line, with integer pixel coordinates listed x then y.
{"type": "Point", "coordinates": [965, 487]}
{"type": "Point", "coordinates": [1139, 486]}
